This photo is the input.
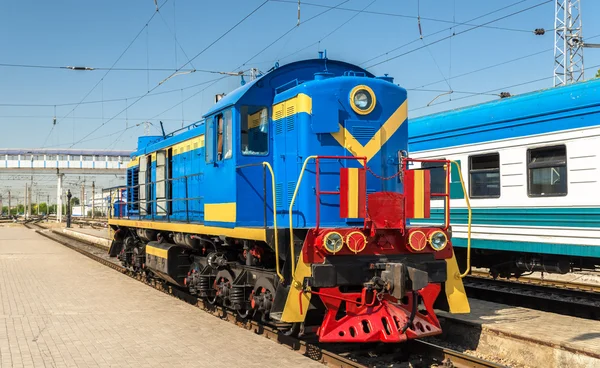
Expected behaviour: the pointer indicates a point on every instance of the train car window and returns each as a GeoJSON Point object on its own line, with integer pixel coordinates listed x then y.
{"type": "Point", "coordinates": [210, 141]}
{"type": "Point", "coordinates": [228, 129]}
{"type": "Point", "coordinates": [12, 157]}
{"type": "Point", "coordinates": [219, 137]}
{"type": "Point", "coordinates": [438, 177]}
{"type": "Point", "coordinates": [547, 171]}
{"type": "Point", "coordinates": [484, 176]}
{"type": "Point", "coordinates": [224, 131]}
{"type": "Point", "coordinates": [254, 129]}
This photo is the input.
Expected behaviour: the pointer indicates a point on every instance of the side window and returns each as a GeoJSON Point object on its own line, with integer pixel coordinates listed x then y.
{"type": "Point", "coordinates": [547, 171]}
{"type": "Point", "coordinates": [227, 121]}
{"type": "Point", "coordinates": [210, 141]}
{"type": "Point", "coordinates": [223, 124]}
{"type": "Point", "coordinates": [438, 177]}
{"type": "Point", "coordinates": [254, 129]}
{"type": "Point", "coordinates": [484, 176]}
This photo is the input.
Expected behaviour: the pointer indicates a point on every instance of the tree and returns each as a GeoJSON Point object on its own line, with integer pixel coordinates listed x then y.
{"type": "Point", "coordinates": [74, 201]}
{"type": "Point", "coordinates": [597, 74]}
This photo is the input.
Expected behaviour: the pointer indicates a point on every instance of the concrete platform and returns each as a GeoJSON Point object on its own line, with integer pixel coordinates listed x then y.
{"type": "Point", "coordinates": [96, 236]}
{"type": "Point", "coordinates": [528, 337]}
{"type": "Point", "coordinates": [58, 309]}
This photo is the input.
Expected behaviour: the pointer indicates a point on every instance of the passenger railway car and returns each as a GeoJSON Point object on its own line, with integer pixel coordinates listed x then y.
{"type": "Point", "coordinates": [533, 172]}
{"type": "Point", "coordinates": [289, 202]}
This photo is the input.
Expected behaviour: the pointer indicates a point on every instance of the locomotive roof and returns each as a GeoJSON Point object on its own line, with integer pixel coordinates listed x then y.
{"type": "Point", "coordinates": [298, 69]}
{"type": "Point", "coordinates": [304, 69]}
{"type": "Point", "coordinates": [433, 131]}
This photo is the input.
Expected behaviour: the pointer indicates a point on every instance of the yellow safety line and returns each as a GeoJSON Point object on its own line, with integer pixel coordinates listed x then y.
{"type": "Point", "coordinates": [268, 166]}
{"type": "Point", "coordinates": [293, 255]}
{"type": "Point", "coordinates": [462, 183]}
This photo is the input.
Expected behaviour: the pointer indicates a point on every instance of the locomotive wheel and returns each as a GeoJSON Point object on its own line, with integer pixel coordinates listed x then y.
{"type": "Point", "coordinates": [244, 313]}
{"type": "Point", "coordinates": [292, 330]}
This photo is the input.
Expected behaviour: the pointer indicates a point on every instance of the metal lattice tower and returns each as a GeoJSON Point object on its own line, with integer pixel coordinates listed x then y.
{"type": "Point", "coordinates": [568, 42]}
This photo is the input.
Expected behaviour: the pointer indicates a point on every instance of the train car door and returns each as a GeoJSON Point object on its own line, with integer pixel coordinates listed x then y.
{"type": "Point", "coordinates": [286, 158]}
{"type": "Point", "coordinates": [161, 184]}
{"type": "Point", "coordinates": [142, 185]}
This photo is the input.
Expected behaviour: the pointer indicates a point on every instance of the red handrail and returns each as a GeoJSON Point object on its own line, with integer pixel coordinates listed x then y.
{"type": "Point", "coordinates": [446, 195]}
{"type": "Point", "coordinates": [318, 182]}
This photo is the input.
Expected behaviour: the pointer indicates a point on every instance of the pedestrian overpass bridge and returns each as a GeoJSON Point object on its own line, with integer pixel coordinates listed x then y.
{"type": "Point", "coordinates": [67, 161]}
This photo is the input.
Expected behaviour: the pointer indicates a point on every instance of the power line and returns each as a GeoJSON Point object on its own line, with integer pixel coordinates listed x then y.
{"type": "Point", "coordinates": [330, 33]}
{"type": "Point", "coordinates": [78, 118]}
{"type": "Point", "coordinates": [105, 101]}
{"type": "Point", "coordinates": [443, 30]}
{"type": "Point", "coordinates": [402, 16]}
{"type": "Point", "coordinates": [489, 67]}
{"type": "Point", "coordinates": [172, 75]}
{"type": "Point", "coordinates": [288, 31]}
{"type": "Point", "coordinates": [87, 68]}
{"type": "Point", "coordinates": [489, 92]}
{"type": "Point", "coordinates": [119, 58]}
{"type": "Point", "coordinates": [220, 37]}
{"type": "Point", "coordinates": [482, 69]}
{"type": "Point", "coordinates": [461, 32]}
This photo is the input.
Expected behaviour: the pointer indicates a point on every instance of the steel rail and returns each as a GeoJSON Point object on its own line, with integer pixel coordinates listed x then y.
{"type": "Point", "coordinates": [559, 284]}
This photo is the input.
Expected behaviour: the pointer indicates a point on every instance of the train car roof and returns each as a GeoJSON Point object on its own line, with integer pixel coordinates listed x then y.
{"type": "Point", "coordinates": [458, 126]}
{"type": "Point", "coordinates": [277, 77]}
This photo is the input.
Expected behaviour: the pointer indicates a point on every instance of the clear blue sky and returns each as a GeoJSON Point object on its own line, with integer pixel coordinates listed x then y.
{"type": "Point", "coordinates": [95, 33]}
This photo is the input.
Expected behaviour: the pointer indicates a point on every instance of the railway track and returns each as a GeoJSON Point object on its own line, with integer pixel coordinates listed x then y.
{"type": "Point", "coordinates": [343, 356]}
{"type": "Point", "coordinates": [574, 299]}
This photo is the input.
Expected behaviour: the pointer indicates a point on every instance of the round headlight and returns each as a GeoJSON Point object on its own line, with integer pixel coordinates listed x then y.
{"type": "Point", "coordinates": [362, 99]}
{"type": "Point", "coordinates": [333, 242]}
{"type": "Point", "coordinates": [417, 240]}
{"type": "Point", "coordinates": [438, 240]}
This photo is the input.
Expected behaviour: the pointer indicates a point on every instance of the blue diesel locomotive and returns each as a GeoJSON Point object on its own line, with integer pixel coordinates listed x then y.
{"type": "Point", "coordinates": [289, 202]}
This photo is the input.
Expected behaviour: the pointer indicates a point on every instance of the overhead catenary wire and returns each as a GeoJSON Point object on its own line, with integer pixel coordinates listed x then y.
{"type": "Point", "coordinates": [461, 32]}
{"type": "Point", "coordinates": [119, 58]}
{"type": "Point", "coordinates": [89, 68]}
{"type": "Point", "coordinates": [179, 69]}
{"type": "Point", "coordinates": [489, 92]}
{"type": "Point", "coordinates": [420, 88]}
{"type": "Point", "coordinates": [110, 100]}
{"type": "Point", "coordinates": [330, 33]}
{"type": "Point", "coordinates": [287, 32]}
{"type": "Point", "coordinates": [443, 30]}
{"type": "Point", "coordinates": [404, 15]}
{"type": "Point", "coordinates": [221, 36]}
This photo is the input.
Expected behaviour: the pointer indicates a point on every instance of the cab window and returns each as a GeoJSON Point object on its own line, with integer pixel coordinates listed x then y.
{"type": "Point", "coordinates": [254, 130]}
{"type": "Point", "coordinates": [219, 131]}
{"type": "Point", "coordinates": [438, 177]}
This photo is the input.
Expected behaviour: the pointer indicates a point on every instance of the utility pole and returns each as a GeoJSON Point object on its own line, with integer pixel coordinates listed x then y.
{"type": "Point", "coordinates": [59, 203]}
{"type": "Point", "coordinates": [82, 200]}
{"type": "Point", "coordinates": [25, 202]}
{"type": "Point", "coordinates": [93, 197]}
{"type": "Point", "coordinates": [9, 203]}
{"type": "Point", "coordinates": [29, 201]}
{"type": "Point", "coordinates": [68, 207]}
{"type": "Point", "coordinates": [48, 206]}
{"type": "Point", "coordinates": [37, 202]}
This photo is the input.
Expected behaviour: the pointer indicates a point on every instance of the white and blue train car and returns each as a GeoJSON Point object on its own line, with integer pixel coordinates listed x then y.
{"type": "Point", "coordinates": [532, 168]}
